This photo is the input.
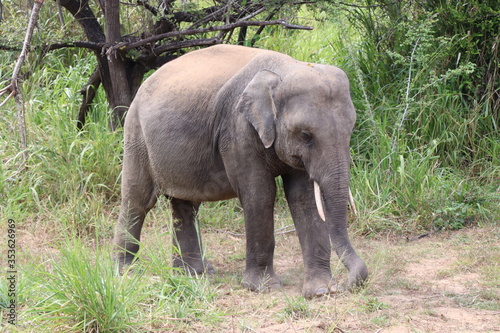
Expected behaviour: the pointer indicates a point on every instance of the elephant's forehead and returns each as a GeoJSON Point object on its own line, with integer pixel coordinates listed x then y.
{"type": "Point", "coordinates": [317, 107]}
{"type": "Point", "coordinates": [320, 97]}
{"type": "Point", "coordinates": [316, 83]}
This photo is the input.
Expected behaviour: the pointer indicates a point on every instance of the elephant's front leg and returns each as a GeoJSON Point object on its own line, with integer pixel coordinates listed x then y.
{"type": "Point", "coordinates": [257, 198]}
{"type": "Point", "coordinates": [187, 238]}
{"type": "Point", "coordinates": [313, 235]}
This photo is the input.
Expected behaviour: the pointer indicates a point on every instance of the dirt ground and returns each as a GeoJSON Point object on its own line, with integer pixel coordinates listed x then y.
{"type": "Point", "coordinates": [443, 282]}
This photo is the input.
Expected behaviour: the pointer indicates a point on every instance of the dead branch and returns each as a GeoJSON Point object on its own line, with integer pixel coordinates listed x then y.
{"type": "Point", "coordinates": [259, 31]}
{"type": "Point", "coordinates": [124, 46]}
{"type": "Point", "coordinates": [185, 44]}
{"type": "Point", "coordinates": [8, 97]}
{"type": "Point", "coordinates": [88, 94]}
{"type": "Point", "coordinates": [13, 86]}
{"type": "Point", "coordinates": [227, 27]}
{"type": "Point", "coordinates": [60, 13]}
{"type": "Point", "coordinates": [81, 44]}
{"type": "Point", "coordinates": [9, 48]}
{"type": "Point", "coordinates": [146, 5]}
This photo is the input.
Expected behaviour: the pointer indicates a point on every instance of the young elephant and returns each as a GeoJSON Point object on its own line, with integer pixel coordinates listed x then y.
{"type": "Point", "coordinates": [224, 122]}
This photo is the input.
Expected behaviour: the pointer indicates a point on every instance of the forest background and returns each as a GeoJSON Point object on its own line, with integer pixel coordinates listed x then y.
{"type": "Point", "coordinates": [425, 79]}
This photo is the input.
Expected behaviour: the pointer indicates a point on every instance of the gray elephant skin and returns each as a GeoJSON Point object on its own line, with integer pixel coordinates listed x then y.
{"type": "Point", "coordinates": [224, 122]}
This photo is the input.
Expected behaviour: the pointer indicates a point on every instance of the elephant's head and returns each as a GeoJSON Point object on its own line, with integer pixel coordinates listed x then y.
{"type": "Point", "coordinates": [307, 116]}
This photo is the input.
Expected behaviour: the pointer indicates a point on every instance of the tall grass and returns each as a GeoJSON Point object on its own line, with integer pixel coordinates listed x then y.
{"type": "Point", "coordinates": [82, 291]}
{"type": "Point", "coordinates": [79, 289]}
{"type": "Point", "coordinates": [423, 156]}
{"type": "Point", "coordinates": [418, 164]}
{"type": "Point", "coordinates": [70, 176]}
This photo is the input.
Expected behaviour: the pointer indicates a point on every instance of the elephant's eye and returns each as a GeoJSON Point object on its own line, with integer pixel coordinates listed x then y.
{"type": "Point", "coordinates": [306, 137]}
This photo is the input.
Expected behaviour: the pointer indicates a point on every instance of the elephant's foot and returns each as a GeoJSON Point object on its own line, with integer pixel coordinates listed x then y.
{"type": "Point", "coordinates": [123, 260]}
{"type": "Point", "coordinates": [260, 280]}
{"type": "Point", "coordinates": [358, 273]}
{"type": "Point", "coordinates": [319, 285]}
{"type": "Point", "coordinates": [193, 264]}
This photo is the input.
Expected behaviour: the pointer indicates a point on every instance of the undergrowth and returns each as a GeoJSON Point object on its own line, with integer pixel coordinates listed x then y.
{"type": "Point", "coordinates": [424, 157]}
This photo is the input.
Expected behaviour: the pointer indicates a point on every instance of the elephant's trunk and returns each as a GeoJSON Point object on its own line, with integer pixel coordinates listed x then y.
{"type": "Point", "coordinates": [331, 196]}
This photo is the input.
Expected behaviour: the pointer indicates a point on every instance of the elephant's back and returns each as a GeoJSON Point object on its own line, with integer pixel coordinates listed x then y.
{"type": "Point", "coordinates": [198, 73]}
{"type": "Point", "coordinates": [172, 118]}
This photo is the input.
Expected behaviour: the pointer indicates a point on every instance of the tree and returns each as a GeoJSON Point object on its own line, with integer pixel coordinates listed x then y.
{"type": "Point", "coordinates": [159, 31]}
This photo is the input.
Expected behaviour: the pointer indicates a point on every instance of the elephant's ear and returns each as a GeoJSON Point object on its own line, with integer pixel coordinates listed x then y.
{"type": "Point", "coordinates": [257, 104]}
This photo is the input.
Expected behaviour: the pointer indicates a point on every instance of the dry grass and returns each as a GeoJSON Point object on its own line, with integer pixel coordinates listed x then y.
{"type": "Point", "coordinates": [407, 291]}
{"type": "Point", "coordinates": [443, 282]}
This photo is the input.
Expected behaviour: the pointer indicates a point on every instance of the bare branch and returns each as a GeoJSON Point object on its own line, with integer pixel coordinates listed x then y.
{"type": "Point", "coordinates": [88, 94]}
{"type": "Point", "coordinates": [146, 5]}
{"type": "Point", "coordinates": [60, 13]}
{"type": "Point", "coordinates": [210, 17]}
{"type": "Point", "coordinates": [29, 33]}
{"type": "Point", "coordinates": [81, 44]}
{"type": "Point", "coordinates": [185, 44]}
{"type": "Point", "coordinates": [259, 31]}
{"type": "Point", "coordinates": [128, 46]}
{"type": "Point", "coordinates": [24, 51]}
{"type": "Point", "coordinates": [9, 48]}
{"type": "Point", "coordinates": [296, 26]}
{"type": "Point", "coordinates": [8, 97]}
{"type": "Point", "coordinates": [13, 86]}
{"type": "Point", "coordinates": [84, 15]}
{"type": "Point", "coordinates": [252, 15]}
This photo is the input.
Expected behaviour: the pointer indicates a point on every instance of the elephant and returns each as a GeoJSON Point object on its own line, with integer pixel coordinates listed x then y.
{"type": "Point", "coordinates": [224, 122]}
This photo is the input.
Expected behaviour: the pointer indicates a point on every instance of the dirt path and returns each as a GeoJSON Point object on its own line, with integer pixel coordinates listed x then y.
{"type": "Point", "coordinates": [447, 282]}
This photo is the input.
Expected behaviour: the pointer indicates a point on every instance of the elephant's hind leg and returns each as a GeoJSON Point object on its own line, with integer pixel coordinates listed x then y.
{"type": "Point", "coordinates": [187, 238]}
{"type": "Point", "coordinates": [138, 195]}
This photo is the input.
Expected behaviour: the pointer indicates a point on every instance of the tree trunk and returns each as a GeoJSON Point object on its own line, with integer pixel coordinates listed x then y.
{"type": "Point", "coordinates": [119, 94]}
{"type": "Point", "coordinates": [120, 77]}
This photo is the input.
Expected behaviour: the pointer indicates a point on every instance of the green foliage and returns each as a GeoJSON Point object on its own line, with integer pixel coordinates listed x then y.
{"type": "Point", "coordinates": [69, 176]}
{"type": "Point", "coordinates": [419, 139]}
{"type": "Point", "coordinates": [454, 218]}
{"type": "Point", "coordinates": [84, 292]}
{"type": "Point", "coordinates": [426, 155]}
{"type": "Point", "coordinates": [80, 290]}
{"type": "Point", "coordinates": [475, 26]}
{"type": "Point", "coordinates": [372, 304]}
{"type": "Point", "coordinates": [421, 64]}
{"type": "Point", "coordinates": [296, 307]}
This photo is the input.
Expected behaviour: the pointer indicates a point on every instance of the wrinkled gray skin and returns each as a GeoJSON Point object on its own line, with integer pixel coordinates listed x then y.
{"type": "Point", "coordinates": [224, 122]}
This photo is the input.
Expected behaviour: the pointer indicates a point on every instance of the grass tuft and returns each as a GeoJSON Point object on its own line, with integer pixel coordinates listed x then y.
{"type": "Point", "coordinates": [81, 290]}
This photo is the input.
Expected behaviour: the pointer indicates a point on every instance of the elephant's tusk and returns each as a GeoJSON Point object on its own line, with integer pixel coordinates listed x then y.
{"type": "Point", "coordinates": [319, 201]}
{"type": "Point", "coordinates": [351, 203]}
